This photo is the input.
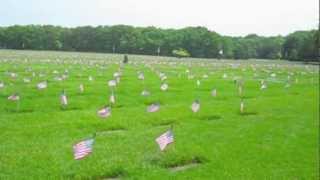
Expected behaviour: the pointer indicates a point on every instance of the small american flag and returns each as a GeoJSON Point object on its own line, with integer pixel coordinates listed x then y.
{"type": "Point", "coordinates": [26, 80]}
{"type": "Point", "coordinates": [42, 85]}
{"type": "Point", "coordinates": [145, 93]}
{"type": "Point", "coordinates": [164, 87]}
{"type": "Point", "coordinates": [63, 99]}
{"type": "Point", "coordinates": [112, 99]}
{"type": "Point", "coordinates": [198, 83]}
{"type": "Point", "coordinates": [195, 106]}
{"type": "Point", "coordinates": [165, 139]}
{"type": "Point", "coordinates": [214, 93]}
{"type": "Point", "coordinates": [241, 106]}
{"type": "Point", "coordinates": [14, 97]}
{"type": "Point", "coordinates": [112, 83]}
{"type": "Point", "coordinates": [1, 85]}
{"type": "Point", "coordinates": [104, 112]}
{"type": "Point", "coordinates": [141, 76]}
{"type": "Point", "coordinates": [81, 88]}
{"type": "Point", "coordinates": [153, 108]}
{"type": "Point", "coordinates": [82, 149]}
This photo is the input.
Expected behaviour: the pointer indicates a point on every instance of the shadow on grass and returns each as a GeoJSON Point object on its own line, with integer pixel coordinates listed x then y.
{"type": "Point", "coordinates": [111, 130]}
{"type": "Point", "coordinates": [248, 113]}
{"type": "Point", "coordinates": [167, 122]}
{"type": "Point", "coordinates": [19, 111]}
{"type": "Point", "coordinates": [70, 108]}
{"type": "Point", "coordinates": [184, 164]}
{"type": "Point", "coordinates": [210, 117]}
{"type": "Point", "coordinates": [113, 174]}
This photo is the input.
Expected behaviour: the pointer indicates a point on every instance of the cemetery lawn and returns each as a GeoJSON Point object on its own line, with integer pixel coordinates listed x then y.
{"type": "Point", "coordinates": [277, 136]}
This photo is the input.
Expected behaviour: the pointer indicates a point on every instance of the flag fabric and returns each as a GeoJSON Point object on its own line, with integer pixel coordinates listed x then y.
{"type": "Point", "coordinates": [263, 85]}
{"type": "Point", "coordinates": [198, 83]}
{"type": "Point", "coordinates": [112, 99]}
{"type": "Point", "coordinates": [141, 76]}
{"type": "Point", "coordinates": [195, 107]}
{"type": "Point", "coordinates": [165, 139]}
{"type": "Point", "coordinates": [1, 85]}
{"type": "Point", "coordinates": [14, 97]}
{"type": "Point", "coordinates": [112, 83]}
{"type": "Point", "coordinates": [164, 87]}
{"type": "Point", "coordinates": [26, 80]}
{"type": "Point", "coordinates": [42, 85]}
{"type": "Point", "coordinates": [81, 88]}
{"type": "Point", "coordinates": [153, 108]}
{"type": "Point", "coordinates": [82, 149]}
{"type": "Point", "coordinates": [241, 106]}
{"type": "Point", "coordinates": [145, 93]}
{"type": "Point", "coordinates": [214, 93]}
{"type": "Point", "coordinates": [63, 99]}
{"type": "Point", "coordinates": [104, 112]}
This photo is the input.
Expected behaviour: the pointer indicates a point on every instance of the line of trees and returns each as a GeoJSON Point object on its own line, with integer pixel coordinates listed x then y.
{"type": "Point", "coordinates": [195, 41]}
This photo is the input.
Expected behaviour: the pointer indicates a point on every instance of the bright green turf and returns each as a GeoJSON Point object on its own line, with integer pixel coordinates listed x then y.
{"type": "Point", "coordinates": [277, 138]}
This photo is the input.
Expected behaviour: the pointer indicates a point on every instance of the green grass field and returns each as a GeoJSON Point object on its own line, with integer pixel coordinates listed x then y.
{"type": "Point", "coordinates": [276, 137]}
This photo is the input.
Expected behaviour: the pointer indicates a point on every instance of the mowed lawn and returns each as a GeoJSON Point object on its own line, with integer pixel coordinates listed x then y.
{"type": "Point", "coordinates": [276, 137]}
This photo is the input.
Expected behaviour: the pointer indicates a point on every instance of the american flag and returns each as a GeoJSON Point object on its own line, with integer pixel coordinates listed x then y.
{"type": "Point", "coordinates": [63, 99]}
{"type": "Point", "coordinates": [82, 149]}
{"type": "Point", "coordinates": [165, 139]}
{"type": "Point", "coordinates": [198, 83]}
{"type": "Point", "coordinates": [42, 85]}
{"type": "Point", "coordinates": [153, 108]}
{"type": "Point", "coordinates": [1, 85]}
{"type": "Point", "coordinates": [241, 106]}
{"type": "Point", "coordinates": [214, 93]}
{"type": "Point", "coordinates": [141, 76]}
{"type": "Point", "coordinates": [195, 106]}
{"type": "Point", "coordinates": [104, 112]}
{"type": "Point", "coordinates": [112, 99]}
{"type": "Point", "coordinates": [14, 97]}
{"type": "Point", "coordinates": [145, 93]}
{"type": "Point", "coordinates": [112, 83]}
{"type": "Point", "coordinates": [81, 87]}
{"type": "Point", "coordinates": [164, 87]}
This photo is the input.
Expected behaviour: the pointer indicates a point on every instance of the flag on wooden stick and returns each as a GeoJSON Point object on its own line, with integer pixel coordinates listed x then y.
{"type": "Point", "coordinates": [1, 84]}
{"type": "Point", "coordinates": [83, 149]}
{"type": "Point", "coordinates": [214, 93]}
{"type": "Point", "coordinates": [104, 112]}
{"type": "Point", "coordinates": [164, 87]}
{"type": "Point", "coordinates": [14, 97]}
{"type": "Point", "coordinates": [145, 93]}
{"type": "Point", "coordinates": [42, 85]}
{"type": "Point", "coordinates": [81, 88]}
{"type": "Point", "coordinates": [165, 139]}
{"type": "Point", "coordinates": [153, 107]}
{"type": "Point", "coordinates": [242, 106]}
{"type": "Point", "coordinates": [112, 83]}
{"type": "Point", "coordinates": [112, 99]}
{"type": "Point", "coordinates": [195, 107]}
{"type": "Point", "coordinates": [63, 99]}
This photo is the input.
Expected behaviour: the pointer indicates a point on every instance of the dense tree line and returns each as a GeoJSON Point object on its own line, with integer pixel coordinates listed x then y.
{"type": "Point", "coordinates": [194, 41]}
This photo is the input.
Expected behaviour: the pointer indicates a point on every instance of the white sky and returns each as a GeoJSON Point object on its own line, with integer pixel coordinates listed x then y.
{"type": "Point", "coordinates": [227, 17]}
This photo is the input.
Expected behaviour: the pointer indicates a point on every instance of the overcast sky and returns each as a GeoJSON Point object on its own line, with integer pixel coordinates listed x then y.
{"type": "Point", "coordinates": [227, 17]}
